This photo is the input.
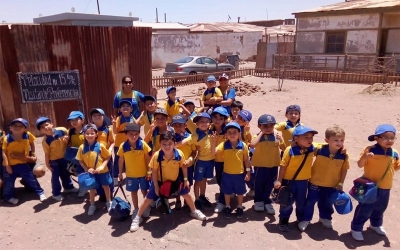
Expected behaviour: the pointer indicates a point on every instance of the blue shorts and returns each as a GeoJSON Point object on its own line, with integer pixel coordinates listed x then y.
{"type": "Point", "coordinates": [203, 170]}
{"type": "Point", "coordinates": [233, 184]}
{"type": "Point", "coordinates": [104, 179]}
{"type": "Point", "coordinates": [132, 184]}
{"type": "Point", "coordinates": [152, 192]}
{"type": "Point", "coordinates": [189, 175]}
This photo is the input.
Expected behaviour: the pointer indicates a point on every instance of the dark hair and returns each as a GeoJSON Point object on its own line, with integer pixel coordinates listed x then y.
{"type": "Point", "coordinates": [124, 78]}
{"type": "Point", "coordinates": [215, 114]}
{"type": "Point", "coordinates": [237, 104]}
{"type": "Point", "coordinates": [168, 135]}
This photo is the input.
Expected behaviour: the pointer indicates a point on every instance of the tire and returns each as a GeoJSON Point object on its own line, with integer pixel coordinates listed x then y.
{"type": "Point", "coordinates": [193, 73]}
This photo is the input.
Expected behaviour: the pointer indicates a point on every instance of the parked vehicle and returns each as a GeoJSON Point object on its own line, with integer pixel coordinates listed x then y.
{"type": "Point", "coordinates": [193, 65]}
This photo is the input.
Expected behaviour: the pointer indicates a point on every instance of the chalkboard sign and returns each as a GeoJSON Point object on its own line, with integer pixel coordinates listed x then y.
{"type": "Point", "coordinates": [49, 86]}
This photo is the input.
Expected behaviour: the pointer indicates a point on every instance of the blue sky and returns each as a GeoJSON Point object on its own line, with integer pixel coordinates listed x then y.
{"type": "Point", "coordinates": [189, 11]}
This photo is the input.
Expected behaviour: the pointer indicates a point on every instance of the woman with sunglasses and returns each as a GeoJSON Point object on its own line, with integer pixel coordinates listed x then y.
{"type": "Point", "coordinates": [129, 94]}
{"type": "Point", "coordinates": [228, 93]}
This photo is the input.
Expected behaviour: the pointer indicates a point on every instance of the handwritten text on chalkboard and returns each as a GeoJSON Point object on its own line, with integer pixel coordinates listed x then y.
{"type": "Point", "coordinates": [49, 86]}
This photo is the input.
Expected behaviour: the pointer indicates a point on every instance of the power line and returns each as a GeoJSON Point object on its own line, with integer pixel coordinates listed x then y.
{"type": "Point", "coordinates": [87, 6]}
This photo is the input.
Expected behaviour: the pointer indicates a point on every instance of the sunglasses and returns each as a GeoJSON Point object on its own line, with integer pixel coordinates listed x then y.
{"type": "Point", "coordinates": [128, 82]}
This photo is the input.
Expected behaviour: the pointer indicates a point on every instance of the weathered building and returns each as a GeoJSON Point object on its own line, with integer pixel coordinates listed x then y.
{"type": "Point", "coordinates": [83, 19]}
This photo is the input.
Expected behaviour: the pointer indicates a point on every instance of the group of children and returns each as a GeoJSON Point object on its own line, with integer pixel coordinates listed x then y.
{"type": "Point", "coordinates": [185, 145]}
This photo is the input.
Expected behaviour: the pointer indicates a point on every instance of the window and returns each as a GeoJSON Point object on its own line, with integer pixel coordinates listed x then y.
{"type": "Point", "coordinates": [184, 60]}
{"type": "Point", "coordinates": [335, 42]}
{"type": "Point", "coordinates": [199, 61]}
{"type": "Point", "coordinates": [208, 61]}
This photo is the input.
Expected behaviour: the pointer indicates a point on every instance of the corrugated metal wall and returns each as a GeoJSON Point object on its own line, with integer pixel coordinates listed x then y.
{"type": "Point", "coordinates": [101, 54]}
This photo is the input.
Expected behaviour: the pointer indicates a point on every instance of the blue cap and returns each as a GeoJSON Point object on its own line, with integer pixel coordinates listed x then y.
{"type": "Point", "coordinates": [21, 120]}
{"type": "Point", "coordinates": [178, 119]}
{"type": "Point", "coordinates": [383, 128]}
{"type": "Point", "coordinates": [301, 130]}
{"type": "Point", "coordinates": [188, 102]}
{"type": "Point", "coordinates": [125, 101]}
{"type": "Point", "coordinates": [342, 202]}
{"type": "Point", "coordinates": [75, 114]}
{"type": "Point", "coordinates": [223, 76]}
{"type": "Point", "coordinates": [293, 108]}
{"type": "Point", "coordinates": [170, 88]}
{"type": "Point", "coordinates": [89, 126]}
{"type": "Point", "coordinates": [149, 98]}
{"type": "Point", "coordinates": [220, 110]}
{"type": "Point", "coordinates": [266, 119]}
{"type": "Point", "coordinates": [232, 125]}
{"type": "Point", "coordinates": [211, 78]}
{"type": "Point", "coordinates": [246, 115]}
{"type": "Point", "coordinates": [40, 121]}
{"type": "Point", "coordinates": [98, 110]}
{"type": "Point", "coordinates": [201, 115]}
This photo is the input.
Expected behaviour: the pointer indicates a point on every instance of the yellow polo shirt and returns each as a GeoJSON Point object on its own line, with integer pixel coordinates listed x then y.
{"type": "Point", "coordinates": [292, 158]}
{"type": "Point", "coordinates": [11, 146]}
{"type": "Point", "coordinates": [76, 138]}
{"type": "Point", "coordinates": [172, 108]}
{"type": "Point", "coordinates": [287, 129]}
{"type": "Point", "coordinates": [146, 121]}
{"type": "Point", "coordinates": [88, 155]}
{"type": "Point", "coordinates": [134, 157]}
{"type": "Point", "coordinates": [233, 157]}
{"type": "Point", "coordinates": [105, 136]}
{"type": "Point", "coordinates": [266, 152]}
{"type": "Point", "coordinates": [213, 92]}
{"type": "Point", "coordinates": [170, 168]}
{"type": "Point", "coordinates": [201, 139]}
{"type": "Point", "coordinates": [120, 123]}
{"type": "Point", "coordinates": [54, 146]}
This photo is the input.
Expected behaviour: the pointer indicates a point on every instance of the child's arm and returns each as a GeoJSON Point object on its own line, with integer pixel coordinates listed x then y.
{"type": "Point", "coordinates": [247, 165]}
{"type": "Point", "coordinates": [121, 166]}
{"type": "Point", "coordinates": [183, 142]}
{"type": "Point", "coordinates": [154, 173]}
{"type": "Point", "coordinates": [364, 157]}
{"type": "Point", "coordinates": [282, 145]}
{"type": "Point", "coordinates": [214, 143]}
{"type": "Point", "coordinates": [47, 162]}
{"type": "Point", "coordinates": [256, 140]}
{"type": "Point", "coordinates": [342, 177]}
{"type": "Point", "coordinates": [149, 134]}
{"type": "Point", "coordinates": [114, 124]}
{"type": "Point", "coordinates": [82, 163]}
{"type": "Point", "coordinates": [282, 168]}
{"type": "Point", "coordinates": [185, 111]}
{"type": "Point", "coordinates": [138, 121]}
{"type": "Point", "coordinates": [147, 159]}
{"type": "Point", "coordinates": [32, 145]}
{"type": "Point", "coordinates": [5, 162]}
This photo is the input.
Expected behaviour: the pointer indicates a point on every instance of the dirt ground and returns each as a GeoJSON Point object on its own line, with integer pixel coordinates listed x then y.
{"type": "Point", "coordinates": [65, 225]}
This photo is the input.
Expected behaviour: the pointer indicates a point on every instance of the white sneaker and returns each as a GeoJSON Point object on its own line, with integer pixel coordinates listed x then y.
{"type": "Point", "coordinates": [108, 205]}
{"type": "Point", "coordinates": [135, 224]}
{"type": "Point", "coordinates": [326, 223]}
{"type": "Point", "coordinates": [379, 230]}
{"type": "Point", "coordinates": [13, 201]}
{"type": "Point", "coordinates": [81, 193]}
{"type": "Point", "coordinates": [197, 214]}
{"type": "Point", "coordinates": [146, 212]}
{"type": "Point", "coordinates": [270, 209]}
{"type": "Point", "coordinates": [259, 206]}
{"type": "Point", "coordinates": [357, 235]}
{"type": "Point", "coordinates": [219, 208]}
{"type": "Point", "coordinates": [303, 225]}
{"type": "Point", "coordinates": [134, 213]}
{"type": "Point", "coordinates": [116, 182]}
{"type": "Point", "coordinates": [57, 197]}
{"type": "Point", "coordinates": [91, 209]}
{"type": "Point", "coordinates": [250, 193]}
{"type": "Point", "coordinates": [71, 190]}
{"type": "Point", "coordinates": [42, 197]}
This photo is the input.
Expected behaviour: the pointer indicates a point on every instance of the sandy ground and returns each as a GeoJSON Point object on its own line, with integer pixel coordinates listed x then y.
{"type": "Point", "coordinates": [65, 225]}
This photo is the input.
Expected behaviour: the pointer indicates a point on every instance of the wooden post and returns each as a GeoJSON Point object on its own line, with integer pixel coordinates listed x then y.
{"type": "Point", "coordinates": [337, 63]}
{"type": "Point", "coordinates": [345, 63]}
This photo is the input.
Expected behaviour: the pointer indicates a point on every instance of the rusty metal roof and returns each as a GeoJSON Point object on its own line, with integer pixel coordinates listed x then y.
{"type": "Point", "coordinates": [162, 26]}
{"type": "Point", "coordinates": [354, 5]}
{"type": "Point", "coordinates": [281, 29]}
{"type": "Point", "coordinates": [225, 27]}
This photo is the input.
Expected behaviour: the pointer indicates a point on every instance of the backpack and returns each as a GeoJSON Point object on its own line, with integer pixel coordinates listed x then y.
{"type": "Point", "coordinates": [120, 209]}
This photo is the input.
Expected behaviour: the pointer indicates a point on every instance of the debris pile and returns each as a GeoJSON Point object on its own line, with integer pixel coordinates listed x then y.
{"type": "Point", "coordinates": [241, 88]}
{"type": "Point", "coordinates": [380, 89]}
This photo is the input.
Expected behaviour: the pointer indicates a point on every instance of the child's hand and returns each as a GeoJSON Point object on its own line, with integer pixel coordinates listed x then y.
{"type": "Point", "coordinates": [277, 184]}
{"type": "Point", "coordinates": [367, 154]}
{"type": "Point", "coordinates": [278, 137]}
{"type": "Point", "coordinates": [186, 184]}
{"type": "Point", "coordinates": [344, 150]}
{"type": "Point", "coordinates": [113, 120]}
{"type": "Point", "coordinates": [339, 188]}
{"type": "Point", "coordinates": [91, 171]}
{"type": "Point", "coordinates": [247, 177]}
{"type": "Point", "coordinates": [214, 136]}
{"type": "Point", "coordinates": [247, 127]}
{"type": "Point", "coordinates": [152, 127]}
{"type": "Point", "coordinates": [186, 163]}
{"type": "Point", "coordinates": [49, 168]}
{"type": "Point", "coordinates": [121, 177]}
{"type": "Point", "coordinates": [9, 170]}
{"type": "Point", "coordinates": [65, 138]}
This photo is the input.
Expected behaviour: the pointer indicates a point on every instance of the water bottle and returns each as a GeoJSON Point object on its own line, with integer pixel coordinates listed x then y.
{"type": "Point", "coordinates": [361, 191]}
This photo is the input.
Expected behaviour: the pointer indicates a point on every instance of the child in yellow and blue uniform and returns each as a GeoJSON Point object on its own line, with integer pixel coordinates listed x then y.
{"type": "Point", "coordinates": [291, 161]}
{"type": "Point", "coordinates": [159, 127]}
{"type": "Point", "coordinates": [293, 113]}
{"type": "Point", "coordinates": [172, 104]}
{"type": "Point", "coordinates": [327, 177]}
{"type": "Point", "coordinates": [189, 105]}
{"type": "Point", "coordinates": [211, 95]}
{"type": "Point", "coordinates": [236, 162]}
{"type": "Point", "coordinates": [93, 157]}
{"type": "Point", "coordinates": [54, 143]}
{"type": "Point", "coordinates": [170, 160]}
{"type": "Point", "coordinates": [266, 159]}
{"type": "Point", "coordinates": [15, 152]}
{"type": "Point", "coordinates": [377, 160]}
{"type": "Point", "coordinates": [134, 153]}
{"type": "Point", "coordinates": [147, 116]}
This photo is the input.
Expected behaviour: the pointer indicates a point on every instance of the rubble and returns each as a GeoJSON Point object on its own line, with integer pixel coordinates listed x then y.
{"type": "Point", "coordinates": [380, 89]}
{"type": "Point", "coordinates": [241, 88]}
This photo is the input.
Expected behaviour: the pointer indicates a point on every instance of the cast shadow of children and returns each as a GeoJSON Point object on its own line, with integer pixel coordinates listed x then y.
{"type": "Point", "coordinates": [293, 234]}
{"type": "Point", "coordinates": [370, 239]}
{"type": "Point", "coordinates": [84, 218]}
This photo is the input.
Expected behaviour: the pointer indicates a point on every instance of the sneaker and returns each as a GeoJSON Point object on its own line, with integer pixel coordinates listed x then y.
{"type": "Point", "coordinates": [13, 201]}
{"type": "Point", "coordinates": [71, 190]}
{"type": "Point", "coordinates": [284, 225]}
{"type": "Point", "coordinates": [198, 205]}
{"type": "Point", "coordinates": [326, 223]}
{"type": "Point", "coordinates": [57, 197]}
{"type": "Point", "coordinates": [250, 193]}
{"type": "Point", "coordinates": [81, 193]}
{"type": "Point", "coordinates": [197, 214]}
{"type": "Point", "coordinates": [357, 235]}
{"type": "Point", "coordinates": [91, 209]}
{"type": "Point", "coordinates": [135, 224]}
{"type": "Point", "coordinates": [219, 208]}
{"type": "Point", "coordinates": [228, 212]}
{"type": "Point", "coordinates": [379, 230]}
{"type": "Point", "coordinates": [146, 212]}
{"type": "Point", "coordinates": [108, 205]}
{"type": "Point", "coordinates": [270, 209]}
{"type": "Point", "coordinates": [303, 225]}
{"type": "Point", "coordinates": [259, 206]}
{"type": "Point", "coordinates": [204, 201]}
{"type": "Point", "coordinates": [116, 182]}
{"type": "Point", "coordinates": [178, 206]}
{"type": "Point", "coordinates": [42, 197]}
{"type": "Point", "coordinates": [239, 212]}
{"type": "Point", "coordinates": [134, 213]}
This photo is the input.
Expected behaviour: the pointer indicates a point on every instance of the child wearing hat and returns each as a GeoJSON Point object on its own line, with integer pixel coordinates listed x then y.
{"type": "Point", "coordinates": [265, 159]}
{"type": "Point", "coordinates": [293, 120]}
{"type": "Point", "coordinates": [235, 154]}
{"type": "Point", "coordinates": [15, 153]}
{"type": "Point", "coordinates": [159, 126]}
{"type": "Point", "coordinates": [228, 93]}
{"type": "Point", "coordinates": [211, 95]}
{"type": "Point", "coordinates": [147, 116]}
{"type": "Point", "coordinates": [134, 154]}
{"type": "Point", "coordinates": [93, 157]}
{"type": "Point", "coordinates": [172, 104]}
{"type": "Point", "coordinates": [303, 149]}
{"type": "Point", "coordinates": [328, 173]}
{"type": "Point", "coordinates": [54, 144]}
{"type": "Point", "coordinates": [379, 161]}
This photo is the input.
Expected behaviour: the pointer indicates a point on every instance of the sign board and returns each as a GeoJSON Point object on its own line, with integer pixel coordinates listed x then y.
{"type": "Point", "coordinates": [49, 86]}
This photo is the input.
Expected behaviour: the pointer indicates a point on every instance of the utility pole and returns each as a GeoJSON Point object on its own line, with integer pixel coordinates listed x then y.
{"type": "Point", "coordinates": [165, 17]}
{"type": "Point", "coordinates": [156, 15]}
{"type": "Point", "coordinates": [98, 7]}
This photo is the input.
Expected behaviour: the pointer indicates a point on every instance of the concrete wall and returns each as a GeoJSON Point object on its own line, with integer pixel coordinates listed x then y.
{"type": "Point", "coordinates": [310, 42]}
{"type": "Point", "coordinates": [393, 44]}
{"type": "Point", "coordinates": [170, 47]}
{"type": "Point", "coordinates": [391, 20]}
{"type": "Point", "coordinates": [338, 22]}
{"type": "Point", "coordinates": [361, 41]}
